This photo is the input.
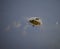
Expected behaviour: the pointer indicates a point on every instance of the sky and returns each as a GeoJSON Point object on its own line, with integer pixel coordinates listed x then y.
{"type": "Point", "coordinates": [16, 33]}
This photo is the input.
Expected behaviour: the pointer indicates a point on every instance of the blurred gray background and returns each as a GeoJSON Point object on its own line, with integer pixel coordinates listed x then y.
{"type": "Point", "coordinates": [17, 34]}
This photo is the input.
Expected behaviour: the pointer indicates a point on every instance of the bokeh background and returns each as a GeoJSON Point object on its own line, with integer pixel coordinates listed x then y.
{"type": "Point", "coordinates": [15, 33]}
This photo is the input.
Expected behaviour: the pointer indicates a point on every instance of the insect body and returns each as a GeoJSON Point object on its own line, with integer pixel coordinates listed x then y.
{"type": "Point", "coordinates": [35, 21]}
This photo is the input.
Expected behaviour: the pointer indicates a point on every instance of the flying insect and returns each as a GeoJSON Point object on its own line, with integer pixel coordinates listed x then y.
{"type": "Point", "coordinates": [35, 21]}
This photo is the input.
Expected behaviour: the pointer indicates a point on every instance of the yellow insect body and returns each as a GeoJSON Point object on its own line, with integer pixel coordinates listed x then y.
{"type": "Point", "coordinates": [35, 21]}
